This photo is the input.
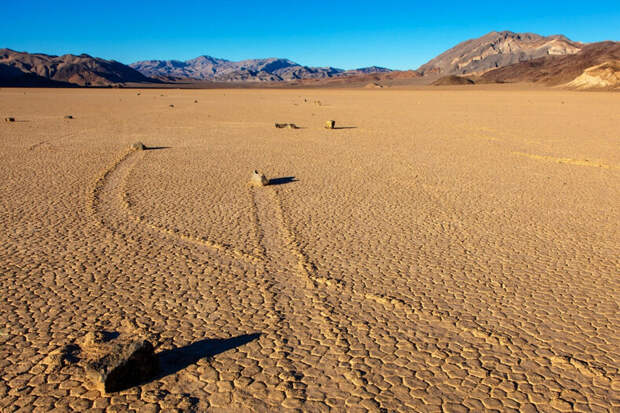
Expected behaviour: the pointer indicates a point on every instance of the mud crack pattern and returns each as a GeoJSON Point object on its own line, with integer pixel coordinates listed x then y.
{"type": "Point", "coordinates": [391, 277]}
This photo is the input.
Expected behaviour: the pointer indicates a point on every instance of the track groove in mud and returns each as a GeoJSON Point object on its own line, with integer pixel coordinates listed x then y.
{"type": "Point", "coordinates": [278, 257]}
{"type": "Point", "coordinates": [116, 194]}
{"type": "Point", "coordinates": [568, 161]}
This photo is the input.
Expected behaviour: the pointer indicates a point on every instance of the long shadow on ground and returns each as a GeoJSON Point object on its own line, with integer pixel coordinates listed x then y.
{"type": "Point", "coordinates": [283, 180]}
{"type": "Point", "coordinates": [174, 360]}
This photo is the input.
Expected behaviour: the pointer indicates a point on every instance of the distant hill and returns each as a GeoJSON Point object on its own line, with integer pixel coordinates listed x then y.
{"type": "Point", "coordinates": [558, 70]}
{"type": "Point", "coordinates": [367, 70]}
{"type": "Point", "coordinates": [253, 70]}
{"type": "Point", "coordinates": [497, 49]}
{"type": "Point", "coordinates": [452, 80]}
{"type": "Point", "coordinates": [25, 69]}
{"type": "Point", "coordinates": [603, 76]}
{"type": "Point", "coordinates": [351, 79]}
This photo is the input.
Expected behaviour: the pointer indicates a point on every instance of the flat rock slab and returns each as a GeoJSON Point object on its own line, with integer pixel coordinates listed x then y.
{"type": "Point", "coordinates": [119, 362]}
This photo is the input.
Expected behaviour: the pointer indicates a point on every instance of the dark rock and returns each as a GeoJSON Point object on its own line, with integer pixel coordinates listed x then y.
{"type": "Point", "coordinates": [9, 119]}
{"type": "Point", "coordinates": [286, 125]}
{"type": "Point", "coordinates": [69, 117]}
{"type": "Point", "coordinates": [120, 363]}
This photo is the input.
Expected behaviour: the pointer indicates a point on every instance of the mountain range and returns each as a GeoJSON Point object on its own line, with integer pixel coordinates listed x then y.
{"type": "Point", "coordinates": [495, 57]}
{"type": "Point", "coordinates": [255, 70]}
{"type": "Point", "coordinates": [26, 69]}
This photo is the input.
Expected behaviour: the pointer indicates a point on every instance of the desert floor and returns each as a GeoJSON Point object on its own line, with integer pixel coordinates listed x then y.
{"type": "Point", "coordinates": [442, 250]}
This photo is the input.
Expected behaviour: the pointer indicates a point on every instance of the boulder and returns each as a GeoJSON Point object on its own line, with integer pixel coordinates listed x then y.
{"type": "Point", "coordinates": [69, 117]}
{"type": "Point", "coordinates": [138, 146]}
{"type": "Point", "coordinates": [9, 119]}
{"type": "Point", "coordinates": [258, 179]}
{"type": "Point", "coordinates": [118, 361]}
{"type": "Point", "coordinates": [330, 124]}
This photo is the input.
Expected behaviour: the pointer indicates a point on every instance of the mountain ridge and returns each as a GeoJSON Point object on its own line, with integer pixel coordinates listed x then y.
{"type": "Point", "coordinates": [498, 49]}
{"type": "Point", "coordinates": [68, 69]}
{"type": "Point", "coordinates": [271, 69]}
{"type": "Point", "coordinates": [496, 57]}
{"type": "Point", "coordinates": [558, 70]}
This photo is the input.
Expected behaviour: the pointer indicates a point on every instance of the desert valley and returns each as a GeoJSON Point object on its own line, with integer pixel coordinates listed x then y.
{"type": "Point", "coordinates": [449, 244]}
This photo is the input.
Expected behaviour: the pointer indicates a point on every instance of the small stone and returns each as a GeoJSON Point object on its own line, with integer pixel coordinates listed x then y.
{"type": "Point", "coordinates": [138, 146]}
{"type": "Point", "coordinates": [258, 179]}
{"type": "Point", "coordinates": [96, 337]}
{"type": "Point", "coordinates": [286, 125]}
{"type": "Point", "coordinates": [330, 124]}
{"type": "Point", "coordinates": [9, 119]}
{"type": "Point", "coordinates": [171, 106]}
{"type": "Point", "coordinates": [58, 358]}
{"type": "Point", "coordinates": [69, 117]}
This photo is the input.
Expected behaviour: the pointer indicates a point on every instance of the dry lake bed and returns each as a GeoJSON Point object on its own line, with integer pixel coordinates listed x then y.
{"type": "Point", "coordinates": [440, 250]}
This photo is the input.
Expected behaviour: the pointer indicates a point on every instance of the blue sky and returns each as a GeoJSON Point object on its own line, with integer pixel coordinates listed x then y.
{"type": "Point", "coordinates": [345, 34]}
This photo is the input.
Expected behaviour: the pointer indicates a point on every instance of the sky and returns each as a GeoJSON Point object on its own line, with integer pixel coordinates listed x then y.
{"type": "Point", "coordinates": [344, 34]}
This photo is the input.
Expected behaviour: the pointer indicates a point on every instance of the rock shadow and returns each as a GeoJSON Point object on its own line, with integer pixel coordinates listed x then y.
{"type": "Point", "coordinates": [155, 148]}
{"type": "Point", "coordinates": [282, 180]}
{"type": "Point", "coordinates": [176, 359]}
{"type": "Point", "coordinates": [344, 127]}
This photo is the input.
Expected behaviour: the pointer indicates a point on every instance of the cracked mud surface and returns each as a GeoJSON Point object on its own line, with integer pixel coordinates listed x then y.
{"type": "Point", "coordinates": [444, 251]}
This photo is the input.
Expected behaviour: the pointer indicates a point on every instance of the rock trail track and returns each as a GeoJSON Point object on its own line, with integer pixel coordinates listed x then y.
{"type": "Point", "coordinates": [303, 304]}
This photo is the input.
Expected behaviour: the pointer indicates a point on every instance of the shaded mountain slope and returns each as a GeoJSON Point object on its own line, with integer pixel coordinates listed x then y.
{"type": "Point", "coordinates": [497, 49]}
{"type": "Point", "coordinates": [82, 70]}
{"type": "Point", "coordinates": [556, 70]}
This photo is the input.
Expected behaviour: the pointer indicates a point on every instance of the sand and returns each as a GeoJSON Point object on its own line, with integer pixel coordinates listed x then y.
{"type": "Point", "coordinates": [440, 250]}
